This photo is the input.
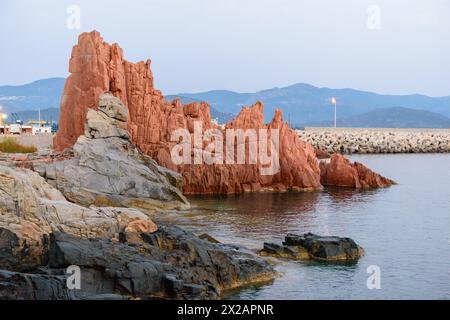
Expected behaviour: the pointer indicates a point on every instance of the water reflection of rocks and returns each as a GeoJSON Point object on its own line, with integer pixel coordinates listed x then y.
{"type": "Point", "coordinates": [251, 218]}
{"type": "Point", "coordinates": [341, 196]}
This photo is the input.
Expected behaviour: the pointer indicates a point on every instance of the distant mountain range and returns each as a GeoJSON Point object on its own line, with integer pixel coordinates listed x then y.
{"type": "Point", "coordinates": [302, 104]}
{"type": "Point", "coordinates": [396, 117]}
{"type": "Point", "coordinates": [42, 94]}
{"type": "Point", "coordinates": [305, 104]}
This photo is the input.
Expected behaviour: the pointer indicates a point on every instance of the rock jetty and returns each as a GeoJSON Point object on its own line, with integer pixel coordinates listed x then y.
{"type": "Point", "coordinates": [362, 141]}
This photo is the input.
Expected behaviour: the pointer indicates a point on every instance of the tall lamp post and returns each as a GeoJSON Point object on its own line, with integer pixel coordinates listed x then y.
{"type": "Point", "coordinates": [334, 102]}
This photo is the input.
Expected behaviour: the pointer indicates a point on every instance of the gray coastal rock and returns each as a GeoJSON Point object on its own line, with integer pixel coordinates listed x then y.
{"type": "Point", "coordinates": [108, 170]}
{"type": "Point", "coordinates": [110, 120]}
{"type": "Point", "coordinates": [310, 246]}
{"type": "Point", "coordinates": [122, 254]}
{"type": "Point", "coordinates": [113, 107]}
{"type": "Point", "coordinates": [41, 234]}
{"type": "Point", "coordinates": [170, 263]}
{"type": "Point", "coordinates": [24, 286]}
{"type": "Point", "coordinates": [31, 209]}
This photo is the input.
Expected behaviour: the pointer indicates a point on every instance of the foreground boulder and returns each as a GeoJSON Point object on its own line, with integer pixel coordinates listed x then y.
{"type": "Point", "coordinates": [31, 209]}
{"type": "Point", "coordinates": [107, 170]}
{"type": "Point", "coordinates": [98, 67]}
{"type": "Point", "coordinates": [341, 172]}
{"type": "Point", "coordinates": [310, 246]}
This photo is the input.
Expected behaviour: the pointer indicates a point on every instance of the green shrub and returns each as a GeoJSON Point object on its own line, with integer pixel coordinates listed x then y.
{"type": "Point", "coordinates": [10, 145]}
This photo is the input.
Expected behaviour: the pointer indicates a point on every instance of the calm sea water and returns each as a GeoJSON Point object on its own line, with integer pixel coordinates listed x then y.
{"type": "Point", "coordinates": [405, 231]}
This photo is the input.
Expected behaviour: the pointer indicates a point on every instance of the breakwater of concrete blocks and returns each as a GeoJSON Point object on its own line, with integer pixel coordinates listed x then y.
{"type": "Point", "coordinates": [377, 140]}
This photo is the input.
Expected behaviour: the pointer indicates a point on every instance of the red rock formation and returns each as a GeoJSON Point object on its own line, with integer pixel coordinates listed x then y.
{"type": "Point", "coordinates": [322, 154]}
{"type": "Point", "coordinates": [340, 172]}
{"type": "Point", "coordinates": [96, 67]}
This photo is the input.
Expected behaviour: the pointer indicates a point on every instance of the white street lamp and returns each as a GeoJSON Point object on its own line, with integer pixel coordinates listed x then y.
{"type": "Point", "coordinates": [334, 102]}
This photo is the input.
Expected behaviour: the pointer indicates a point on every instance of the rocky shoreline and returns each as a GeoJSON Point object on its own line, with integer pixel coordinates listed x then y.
{"type": "Point", "coordinates": [167, 264]}
{"type": "Point", "coordinates": [91, 205]}
{"type": "Point", "coordinates": [89, 208]}
{"type": "Point", "coordinates": [374, 140]}
{"type": "Point", "coordinates": [52, 219]}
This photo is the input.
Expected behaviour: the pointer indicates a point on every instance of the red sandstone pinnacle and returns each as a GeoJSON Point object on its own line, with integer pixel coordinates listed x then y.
{"type": "Point", "coordinates": [340, 172]}
{"type": "Point", "coordinates": [97, 67]}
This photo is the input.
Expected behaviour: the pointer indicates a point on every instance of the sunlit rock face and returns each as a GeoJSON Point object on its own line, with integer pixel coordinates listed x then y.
{"type": "Point", "coordinates": [97, 67]}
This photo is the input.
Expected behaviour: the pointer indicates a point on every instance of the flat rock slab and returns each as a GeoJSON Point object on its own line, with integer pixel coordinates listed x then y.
{"type": "Point", "coordinates": [310, 246]}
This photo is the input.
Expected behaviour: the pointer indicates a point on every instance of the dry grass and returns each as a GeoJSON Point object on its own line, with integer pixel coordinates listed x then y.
{"type": "Point", "coordinates": [10, 145]}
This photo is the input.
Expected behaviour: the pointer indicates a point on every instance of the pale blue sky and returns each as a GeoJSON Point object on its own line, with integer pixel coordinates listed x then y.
{"type": "Point", "coordinates": [242, 45]}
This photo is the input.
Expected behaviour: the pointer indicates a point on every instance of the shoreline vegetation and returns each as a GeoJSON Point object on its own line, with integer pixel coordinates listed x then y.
{"type": "Point", "coordinates": [11, 145]}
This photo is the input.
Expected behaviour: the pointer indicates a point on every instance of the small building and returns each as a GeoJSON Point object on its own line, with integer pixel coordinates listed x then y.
{"type": "Point", "coordinates": [41, 130]}
{"type": "Point", "coordinates": [18, 129]}
{"type": "Point", "coordinates": [33, 127]}
{"type": "Point", "coordinates": [38, 127]}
